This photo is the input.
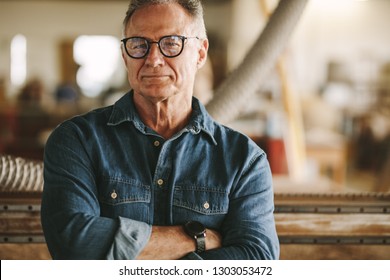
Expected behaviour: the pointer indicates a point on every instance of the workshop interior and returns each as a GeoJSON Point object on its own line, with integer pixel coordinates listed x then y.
{"type": "Point", "coordinates": [307, 80]}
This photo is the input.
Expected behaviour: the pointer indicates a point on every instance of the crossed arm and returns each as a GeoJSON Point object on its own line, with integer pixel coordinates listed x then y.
{"type": "Point", "coordinates": [164, 240]}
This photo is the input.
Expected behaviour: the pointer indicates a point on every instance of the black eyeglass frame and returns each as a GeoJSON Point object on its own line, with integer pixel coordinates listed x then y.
{"type": "Point", "coordinates": [149, 43]}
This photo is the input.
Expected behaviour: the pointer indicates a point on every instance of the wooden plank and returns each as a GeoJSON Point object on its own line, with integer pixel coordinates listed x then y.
{"type": "Point", "coordinates": [334, 252]}
{"type": "Point", "coordinates": [333, 225]}
{"type": "Point", "coordinates": [19, 223]}
{"type": "Point", "coordinates": [17, 251]}
{"type": "Point", "coordinates": [332, 203]}
{"type": "Point", "coordinates": [294, 137]}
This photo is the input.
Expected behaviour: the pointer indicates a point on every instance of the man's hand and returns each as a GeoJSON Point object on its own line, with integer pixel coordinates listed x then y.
{"type": "Point", "coordinates": [172, 243]}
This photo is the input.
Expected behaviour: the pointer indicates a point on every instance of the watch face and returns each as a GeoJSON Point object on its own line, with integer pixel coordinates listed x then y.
{"type": "Point", "coordinates": [195, 228]}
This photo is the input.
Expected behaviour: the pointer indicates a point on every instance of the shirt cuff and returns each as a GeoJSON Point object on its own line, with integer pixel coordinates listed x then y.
{"type": "Point", "coordinates": [131, 237]}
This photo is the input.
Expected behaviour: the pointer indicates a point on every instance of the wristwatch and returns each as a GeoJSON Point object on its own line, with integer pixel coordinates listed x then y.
{"type": "Point", "coordinates": [197, 231]}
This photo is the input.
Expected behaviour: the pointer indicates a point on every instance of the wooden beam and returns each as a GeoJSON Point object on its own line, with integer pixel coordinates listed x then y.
{"type": "Point", "coordinates": [294, 135]}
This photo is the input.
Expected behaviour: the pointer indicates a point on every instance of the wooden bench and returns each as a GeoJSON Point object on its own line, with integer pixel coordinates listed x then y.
{"type": "Point", "coordinates": [334, 225]}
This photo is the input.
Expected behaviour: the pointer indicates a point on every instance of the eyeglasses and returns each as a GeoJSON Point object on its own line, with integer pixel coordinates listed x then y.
{"type": "Point", "coordinates": [170, 46]}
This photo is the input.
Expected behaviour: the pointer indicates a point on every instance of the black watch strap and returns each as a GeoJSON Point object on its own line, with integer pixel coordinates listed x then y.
{"type": "Point", "coordinates": [200, 243]}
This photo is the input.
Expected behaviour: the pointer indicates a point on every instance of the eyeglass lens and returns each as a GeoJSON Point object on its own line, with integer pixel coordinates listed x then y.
{"type": "Point", "coordinates": [170, 46]}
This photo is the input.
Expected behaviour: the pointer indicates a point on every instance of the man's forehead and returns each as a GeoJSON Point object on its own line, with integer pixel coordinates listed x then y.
{"type": "Point", "coordinates": [171, 18]}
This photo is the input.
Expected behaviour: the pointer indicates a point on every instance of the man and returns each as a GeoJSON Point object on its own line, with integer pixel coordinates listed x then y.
{"type": "Point", "coordinates": [153, 176]}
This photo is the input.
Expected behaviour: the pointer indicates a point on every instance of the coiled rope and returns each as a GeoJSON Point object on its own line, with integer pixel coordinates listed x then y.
{"type": "Point", "coordinates": [20, 175]}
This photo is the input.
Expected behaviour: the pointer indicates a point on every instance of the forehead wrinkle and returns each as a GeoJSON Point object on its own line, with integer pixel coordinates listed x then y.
{"type": "Point", "coordinates": [158, 27]}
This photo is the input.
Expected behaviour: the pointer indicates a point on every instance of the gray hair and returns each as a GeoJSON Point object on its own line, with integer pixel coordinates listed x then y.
{"type": "Point", "coordinates": [193, 7]}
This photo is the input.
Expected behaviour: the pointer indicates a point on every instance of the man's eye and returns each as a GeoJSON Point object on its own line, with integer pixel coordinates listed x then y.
{"type": "Point", "coordinates": [172, 44]}
{"type": "Point", "coordinates": [139, 46]}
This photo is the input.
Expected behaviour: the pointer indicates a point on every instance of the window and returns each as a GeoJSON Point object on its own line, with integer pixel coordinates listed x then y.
{"type": "Point", "coordinates": [98, 58]}
{"type": "Point", "coordinates": [18, 60]}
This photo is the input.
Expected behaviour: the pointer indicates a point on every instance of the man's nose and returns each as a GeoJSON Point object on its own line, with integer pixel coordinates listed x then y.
{"type": "Point", "coordinates": [154, 57]}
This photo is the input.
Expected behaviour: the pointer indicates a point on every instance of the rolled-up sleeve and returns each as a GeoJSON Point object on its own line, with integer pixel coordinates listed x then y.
{"type": "Point", "coordinates": [129, 240]}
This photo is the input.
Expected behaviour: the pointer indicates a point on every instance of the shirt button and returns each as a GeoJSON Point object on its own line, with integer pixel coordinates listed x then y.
{"type": "Point", "coordinates": [206, 205]}
{"type": "Point", "coordinates": [156, 143]}
{"type": "Point", "coordinates": [114, 195]}
{"type": "Point", "coordinates": [160, 182]}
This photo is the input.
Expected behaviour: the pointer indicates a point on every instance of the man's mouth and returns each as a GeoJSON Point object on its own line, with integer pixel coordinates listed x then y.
{"type": "Point", "coordinates": [155, 78]}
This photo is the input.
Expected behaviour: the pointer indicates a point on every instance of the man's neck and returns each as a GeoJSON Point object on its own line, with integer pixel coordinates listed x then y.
{"type": "Point", "coordinates": [166, 117]}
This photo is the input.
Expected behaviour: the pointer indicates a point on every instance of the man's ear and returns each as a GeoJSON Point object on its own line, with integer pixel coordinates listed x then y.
{"type": "Point", "coordinates": [204, 47]}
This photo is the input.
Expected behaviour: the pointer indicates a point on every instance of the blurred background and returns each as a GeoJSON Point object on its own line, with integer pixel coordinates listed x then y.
{"type": "Point", "coordinates": [322, 114]}
{"type": "Point", "coordinates": [61, 58]}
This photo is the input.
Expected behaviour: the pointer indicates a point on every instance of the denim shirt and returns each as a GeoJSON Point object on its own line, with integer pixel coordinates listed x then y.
{"type": "Point", "coordinates": [108, 178]}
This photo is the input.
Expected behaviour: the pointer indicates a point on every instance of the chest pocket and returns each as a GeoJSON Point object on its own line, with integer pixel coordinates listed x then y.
{"type": "Point", "coordinates": [126, 198]}
{"type": "Point", "coordinates": [203, 204]}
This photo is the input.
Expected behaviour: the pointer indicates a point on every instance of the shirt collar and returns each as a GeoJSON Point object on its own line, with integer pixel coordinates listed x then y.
{"type": "Point", "coordinates": [124, 110]}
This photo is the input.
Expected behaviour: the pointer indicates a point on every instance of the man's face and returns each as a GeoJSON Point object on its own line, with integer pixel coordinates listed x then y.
{"type": "Point", "coordinates": [157, 77]}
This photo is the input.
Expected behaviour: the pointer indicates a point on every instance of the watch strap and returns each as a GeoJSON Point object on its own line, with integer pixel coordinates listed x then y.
{"type": "Point", "coordinates": [200, 243]}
